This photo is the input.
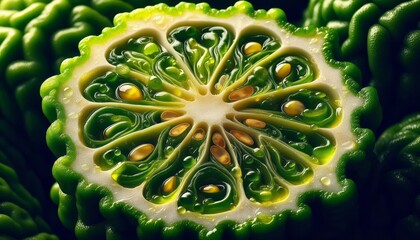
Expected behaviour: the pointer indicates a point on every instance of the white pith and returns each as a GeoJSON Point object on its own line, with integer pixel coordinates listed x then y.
{"type": "Point", "coordinates": [160, 25]}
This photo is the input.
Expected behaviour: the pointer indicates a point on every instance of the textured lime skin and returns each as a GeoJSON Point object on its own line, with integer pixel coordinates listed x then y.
{"type": "Point", "coordinates": [21, 214]}
{"type": "Point", "coordinates": [382, 39]}
{"type": "Point", "coordinates": [397, 192]}
{"type": "Point", "coordinates": [108, 219]}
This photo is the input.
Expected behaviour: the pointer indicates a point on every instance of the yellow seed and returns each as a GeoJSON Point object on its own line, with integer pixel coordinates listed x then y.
{"type": "Point", "coordinates": [169, 185]}
{"type": "Point", "coordinates": [168, 115]}
{"type": "Point", "coordinates": [254, 123]}
{"type": "Point", "coordinates": [241, 93]}
{"type": "Point", "coordinates": [293, 108]}
{"type": "Point", "coordinates": [141, 152]}
{"type": "Point", "coordinates": [252, 47]}
{"type": "Point", "coordinates": [178, 129]}
{"type": "Point", "coordinates": [220, 154]}
{"type": "Point", "coordinates": [129, 92]}
{"type": "Point", "coordinates": [211, 188]}
{"type": "Point", "coordinates": [218, 139]}
{"type": "Point", "coordinates": [199, 134]}
{"type": "Point", "coordinates": [243, 137]}
{"type": "Point", "coordinates": [283, 70]}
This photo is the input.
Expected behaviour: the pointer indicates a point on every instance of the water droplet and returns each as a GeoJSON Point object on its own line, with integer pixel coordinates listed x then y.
{"type": "Point", "coordinates": [236, 172]}
{"type": "Point", "coordinates": [326, 181]}
{"type": "Point", "coordinates": [258, 152]}
{"type": "Point", "coordinates": [248, 160]}
{"type": "Point", "coordinates": [68, 92]}
{"type": "Point", "coordinates": [160, 21]}
{"type": "Point", "coordinates": [313, 127]}
{"type": "Point", "coordinates": [348, 144]}
{"type": "Point", "coordinates": [65, 100]}
{"type": "Point", "coordinates": [155, 83]}
{"type": "Point", "coordinates": [151, 48]}
{"type": "Point", "coordinates": [188, 162]}
{"type": "Point", "coordinates": [181, 210]}
{"type": "Point", "coordinates": [265, 218]}
{"type": "Point", "coordinates": [265, 195]}
{"type": "Point", "coordinates": [85, 167]}
{"type": "Point", "coordinates": [313, 40]}
{"type": "Point", "coordinates": [168, 151]}
{"type": "Point", "coordinates": [117, 152]}
{"type": "Point", "coordinates": [73, 115]}
{"type": "Point", "coordinates": [122, 69]}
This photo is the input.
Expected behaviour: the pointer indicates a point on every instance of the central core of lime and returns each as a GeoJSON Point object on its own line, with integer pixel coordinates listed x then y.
{"type": "Point", "coordinates": [208, 108]}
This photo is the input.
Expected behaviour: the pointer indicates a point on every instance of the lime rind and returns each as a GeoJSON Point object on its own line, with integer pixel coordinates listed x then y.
{"type": "Point", "coordinates": [70, 180]}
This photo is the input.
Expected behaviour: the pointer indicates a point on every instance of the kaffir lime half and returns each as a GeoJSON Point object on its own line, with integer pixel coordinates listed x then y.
{"type": "Point", "coordinates": [190, 113]}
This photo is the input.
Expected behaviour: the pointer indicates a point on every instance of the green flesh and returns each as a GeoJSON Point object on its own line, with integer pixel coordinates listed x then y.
{"type": "Point", "coordinates": [262, 162]}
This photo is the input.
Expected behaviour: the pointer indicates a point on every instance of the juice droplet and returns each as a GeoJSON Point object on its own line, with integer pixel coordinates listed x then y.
{"type": "Point", "coordinates": [243, 137]}
{"type": "Point", "coordinates": [220, 154]}
{"type": "Point", "coordinates": [129, 92]}
{"type": "Point", "coordinates": [254, 123]}
{"type": "Point", "coordinates": [218, 139]}
{"type": "Point", "coordinates": [179, 129]}
{"type": "Point", "coordinates": [141, 152]}
{"type": "Point", "coordinates": [241, 93]}
{"type": "Point", "coordinates": [251, 48]}
{"type": "Point", "coordinates": [293, 108]}
{"type": "Point", "coordinates": [283, 70]}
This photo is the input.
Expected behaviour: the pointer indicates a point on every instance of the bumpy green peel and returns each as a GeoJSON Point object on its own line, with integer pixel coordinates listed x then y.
{"type": "Point", "coordinates": [273, 141]}
{"type": "Point", "coordinates": [382, 39]}
{"type": "Point", "coordinates": [397, 185]}
{"type": "Point", "coordinates": [21, 214]}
